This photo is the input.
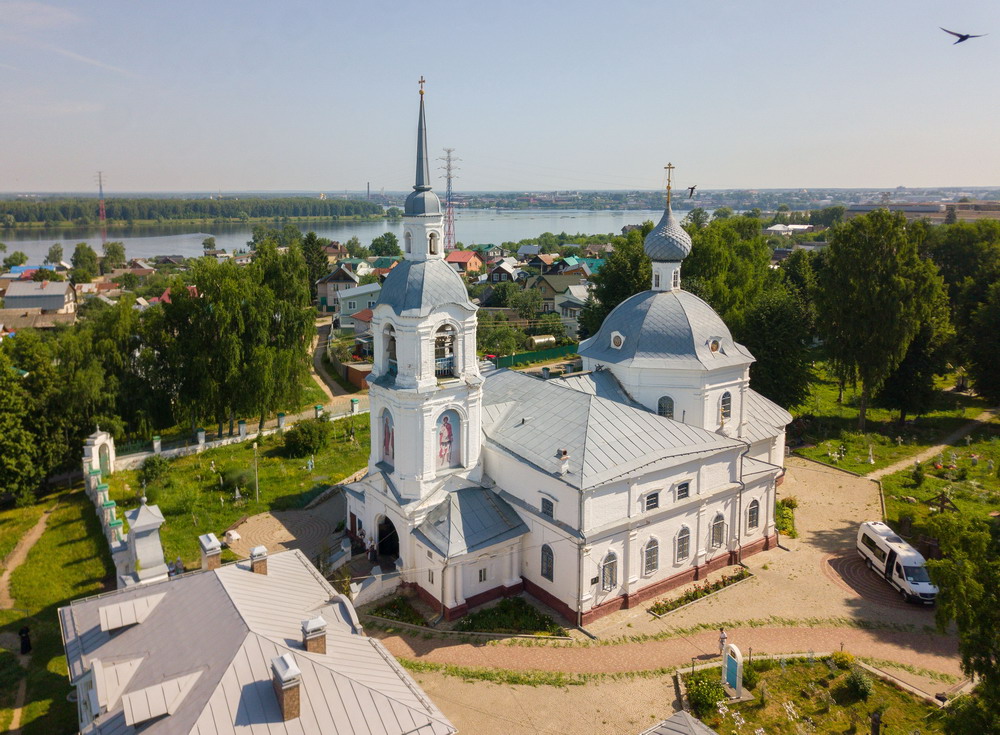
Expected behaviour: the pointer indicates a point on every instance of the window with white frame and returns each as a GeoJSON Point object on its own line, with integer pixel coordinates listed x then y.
{"type": "Point", "coordinates": [753, 515]}
{"type": "Point", "coordinates": [726, 406]}
{"type": "Point", "coordinates": [482, 575]}
{"type": "Point", "coordinates": [718, 531]}
{"type": "Point", "coordinates": [676, 282]}
{"type": "Point", "coordinates": [352, 305]}
{"type": "Point", "coordinates": [548, 563]}
{"type": "Point", "coordinates": [683, 490]}
{"type": "Point", "coordinates": [609, 572]}
{"type": "Point", "coordinates": [651, 556]}
{"type": "Point", "coordinates": [430, 576]}
{"type": "Point", "coordinates": [652, 501]}
{"type": "Point", "coordinates": [683, 543]}
{"type": "Point", "coordinates": [548, 508]}
{"type": "Point", "coordinates": [665, 407]}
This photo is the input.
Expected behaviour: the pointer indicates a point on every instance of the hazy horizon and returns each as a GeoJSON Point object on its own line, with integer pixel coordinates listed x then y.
{"type": "Point", "coordinates": [299, 96]}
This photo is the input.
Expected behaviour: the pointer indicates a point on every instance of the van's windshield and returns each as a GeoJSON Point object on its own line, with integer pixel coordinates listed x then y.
{"type": "Point", "coordinates": [916, 574]}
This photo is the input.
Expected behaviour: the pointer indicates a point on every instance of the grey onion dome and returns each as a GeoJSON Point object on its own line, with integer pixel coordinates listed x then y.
{"type": "Point", "coordinates": [668, 242]}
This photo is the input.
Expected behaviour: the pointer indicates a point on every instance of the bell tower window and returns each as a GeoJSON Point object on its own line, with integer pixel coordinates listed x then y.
{"type": "Point", "coordinates": [391, 365]}
{"type": "Point", "coordinates": [408, 239]}
{"type": "Point", "coordinates": [726, 406]}
{"type": "Point", "coordinates": [444, 352]}
{"type": "Point", "coordinates": [433, 241]}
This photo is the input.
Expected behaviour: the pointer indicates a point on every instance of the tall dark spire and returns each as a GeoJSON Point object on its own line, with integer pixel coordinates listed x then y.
{"type": "Point", "coordinates": [423, 182]}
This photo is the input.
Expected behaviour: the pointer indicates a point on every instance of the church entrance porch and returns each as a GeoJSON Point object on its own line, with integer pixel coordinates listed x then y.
{"type": "Point", "coordinates": [388, 541]}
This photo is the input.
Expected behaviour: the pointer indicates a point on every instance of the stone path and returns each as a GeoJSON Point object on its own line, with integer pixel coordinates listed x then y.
{"type": "Point", "coordinates": [932, 452]}
{"type": "Point", "coordinates": [18, 555]}
{"type": "Point", "coordinates": [309, 530]}
{"type": "Point", "coordinates": [331, 386]}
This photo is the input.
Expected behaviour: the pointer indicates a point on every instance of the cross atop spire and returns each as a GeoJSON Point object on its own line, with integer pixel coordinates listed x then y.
{"type": "Point", "coordinates": [421, 82]}
{"type": "Point", "coordinates": [669, 169]}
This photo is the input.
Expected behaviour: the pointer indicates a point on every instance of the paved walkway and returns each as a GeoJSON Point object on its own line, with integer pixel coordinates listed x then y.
{"type": "Point", "coordinates": [905, 464]}
{"type": "Point", "coordinates": [330, 386]}
{"type": "Point", "coordinates": [312, 530]}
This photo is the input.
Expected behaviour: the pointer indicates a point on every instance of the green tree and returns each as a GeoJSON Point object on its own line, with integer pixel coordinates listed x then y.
{"type": "Point", "coordinates": [722, 213]}
{"type": "Point", "coordinates": [984, 359]}
{"type": "Point", "coordinates": [626, 271]}
{"type": "Point", "coordinates": [503, 293]}
{"type": "Point", "coordinates": [526, 302]}
{"type": "Point", "coordinates": [968, 581]}
{"type": "Point", "coordinates": [497, 336]}
{"type": "Point", "coordinates": [55, 255]}
{"type": "Point", "coordinates": [394, 214]}
{"type": "Point", "coordinates": [368, 278]}
{"type": "Point", "coordinates": [128, 281]}
{"type": "Point", "coordinates": [315, 257]}
{"type": "Point", "coordinates": [208, 243]}
{"type": "Point", "coordinates": [385, 244]}
{"type": "Point", "coordinates": [19, 475]}
{"type": "Point", "coordinates": [355, 249]}
{"type": "Point", "coordinates": [15, 259]}
{"type": "Point", "coordinates": [873, 296]}
{"type": "Point", "coordinates": [85, 260]}
{"type": "Point", "coordinates": [775, 331]}
{"type": "Point", "coordinates": [114, 256]}
{"type": "Point", "coordinates": [44, 274]}
{"type": "Point", "coordinates": [697, 218]}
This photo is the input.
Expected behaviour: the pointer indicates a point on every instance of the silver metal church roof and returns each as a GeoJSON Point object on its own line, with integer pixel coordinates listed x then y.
{"type": "Point", "coordinates": [468, 520]}
{"type": "Point", "coordinates": [681, 723]}
{"type": "Point", "coordinates": [666, 329]}
{"type": "Point", "coordinates": [418, 287]}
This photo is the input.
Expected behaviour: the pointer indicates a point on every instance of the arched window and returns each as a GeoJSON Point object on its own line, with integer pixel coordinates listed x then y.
{"type": "Point", "coordinates": [753, 515]}
{"type": "Point", "coordinates": [665, 407]}
{"type": "Point", "coordinates": [683, 544]}
{"type": "Point", "coordinates": [433, 239]}
{"type": "Point", "coordinates": [444, 351]}
{"type": "Point", "coordinates": [726, 406]}
{"type": "Point", "coordinates": [388, 438]}
{"type": "Point", "coordinates": [651, 556]}
{"type": "Point", "coordinates": [676, 281]}
{"type": "Point", "coordinates": [548, 563]}
{"type": "Point", "coordinates": [391, 366]}
{"type": "Point", "coordinates": [609, 572]}
{"type": "Point", "coordinates": [718, 531]}
{"type": "Point", "coordinates": [408, 239]}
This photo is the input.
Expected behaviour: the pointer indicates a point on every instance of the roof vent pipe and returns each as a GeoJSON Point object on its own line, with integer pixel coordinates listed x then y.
{"type": "Point", "coordinates": [258, 560]}
{"type": "Point", "coordinates": [211, 551]}
{"type": "Point", "coordinates": [314, 635]}
{"type": "Point", "coordinates": [286, 678]}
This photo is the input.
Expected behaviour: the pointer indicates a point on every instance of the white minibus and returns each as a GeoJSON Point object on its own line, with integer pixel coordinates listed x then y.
{"type": "Point", "coordinates": [896, 561]}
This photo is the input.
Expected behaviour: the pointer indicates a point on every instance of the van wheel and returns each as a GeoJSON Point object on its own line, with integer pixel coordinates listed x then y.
{"type": "Point", "coordinates": [904, 595]}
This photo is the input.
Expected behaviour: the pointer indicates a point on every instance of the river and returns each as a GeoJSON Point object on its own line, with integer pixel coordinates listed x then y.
{"type": "Point", "coordinates": [472, 226]}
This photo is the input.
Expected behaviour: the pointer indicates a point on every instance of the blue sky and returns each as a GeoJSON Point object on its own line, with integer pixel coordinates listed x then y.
{"type": "Point", "coordinates": [194, 96]}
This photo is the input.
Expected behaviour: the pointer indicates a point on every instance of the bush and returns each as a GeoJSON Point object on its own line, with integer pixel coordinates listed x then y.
{"type": "Point", "coordinates": [235, 477]}
{"type": "Point", "coordinates": [399, 608]}
{"type": "Point", "coordinates": [790, 502]}
{"type": "Point", "coordinates": [751, 677]}
{"type": "Point", "coordinates": [703, 693]}
{"type": "Point", "coordinates": [784, 519]}
{"type": "Point", "coordinates": [308, 437]}
{"type": "Point", "coordinates": [512, 615]}
{"type": "Point", "coordinates": [154, 469]}
{"type": "Point", "coordinates": [918, 474]}
{"type": "Point", "coordinates": [760, 665]}
{"type": "Point", "coordinates": [843, 659]}
{"type": "Point", "coordinates": [859, 684]}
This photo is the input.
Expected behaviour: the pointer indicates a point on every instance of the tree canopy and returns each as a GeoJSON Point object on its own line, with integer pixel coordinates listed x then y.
{"type": "Point", "coordinates": [626, 271]}
{"type": "Point", "coordinates": [385, 244]}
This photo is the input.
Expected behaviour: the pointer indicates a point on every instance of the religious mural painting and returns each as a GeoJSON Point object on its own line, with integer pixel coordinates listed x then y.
{"type": "Point", "coordinates": [388, 439]}
{"type": "Point", "coordinates": [448, 445]}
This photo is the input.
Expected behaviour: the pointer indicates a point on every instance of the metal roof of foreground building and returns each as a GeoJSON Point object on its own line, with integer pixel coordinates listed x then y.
{"type": "Point", "coordinates": [199, 660]}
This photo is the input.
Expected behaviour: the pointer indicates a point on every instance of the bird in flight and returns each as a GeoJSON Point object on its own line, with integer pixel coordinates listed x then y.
{"type": "Point", "coordinates": [691, 190]}
{"type": "Point", "coordinates": [963, 36]}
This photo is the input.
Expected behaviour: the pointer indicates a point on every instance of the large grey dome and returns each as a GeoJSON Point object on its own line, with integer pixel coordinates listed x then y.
{"type": "Point", "coordinates": [668, 241]}
{"type": "Point", "coordinates": [422, 202]}
{"type": "Point", "coordinates": [418, 287]}
{"type": "Point", "coordinates": [665, 329]}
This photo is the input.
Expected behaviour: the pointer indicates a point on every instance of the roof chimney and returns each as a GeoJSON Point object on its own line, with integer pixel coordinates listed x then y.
{"type": "Point", "coordinates": [314, 635]}
{"type": "Point", "coordinates": [286, 679]}
{"type": "Point", "coordinates": [563, 456]}
{"type": "Point", "coordinates": [211, 551]}
{"type": "Point", "coordinates": [258, 560]}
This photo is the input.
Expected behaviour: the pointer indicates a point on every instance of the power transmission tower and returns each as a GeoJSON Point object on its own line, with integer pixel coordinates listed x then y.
{"type": "Point", "coordinates": [449, 169]}
{"type": "Point", "coordinates": [101, 214]}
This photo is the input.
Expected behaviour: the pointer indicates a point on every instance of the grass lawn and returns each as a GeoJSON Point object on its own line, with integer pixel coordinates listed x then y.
{"type": "Point", "coordinates": [804, 691]}
{"type": "Point", "coordinates": [398, 608]}
{"type": "Point", "coordinates": [70, 560]}
{"type": "Point", "coordinates": [825, 425]}
{"type": "Point", "coordinates": [977, 494]}
{"type": "Point", "coordinates": [14, 523]}
{"type": "Point", "coordinates": [511, 615]}
{"type": "Point", "coordinates": [193, 502]}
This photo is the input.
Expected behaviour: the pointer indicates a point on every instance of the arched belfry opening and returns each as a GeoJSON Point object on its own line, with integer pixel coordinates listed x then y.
{"type": "Point", "coordinates": [389, 335]}
{"type": "Point", "coordinates": [433, 243]}
{"type": "Point", "coordinates": [388, 540]}
{"type": "Point", "coordinates": [444, 351]}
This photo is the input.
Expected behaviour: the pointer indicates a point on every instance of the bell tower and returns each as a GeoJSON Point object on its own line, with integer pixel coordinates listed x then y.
{"type": "Point", "coordinates": [425, 384]}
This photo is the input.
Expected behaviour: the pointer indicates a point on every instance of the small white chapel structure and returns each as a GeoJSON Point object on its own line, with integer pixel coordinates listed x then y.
{"type": "Point", "coordinates": [592, 492]}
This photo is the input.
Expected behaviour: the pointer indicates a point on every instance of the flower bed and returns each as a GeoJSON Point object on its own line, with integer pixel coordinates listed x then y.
{"type": "Point", "coordinates": [661, 607]}
{"type": "Point", "coordinates": [398, 608]}
{"type": "Point", "coordinates": [512, 615]}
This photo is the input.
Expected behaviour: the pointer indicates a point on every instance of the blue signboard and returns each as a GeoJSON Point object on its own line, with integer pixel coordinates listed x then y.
{"type": "Point", "coordinates": [732, 670]}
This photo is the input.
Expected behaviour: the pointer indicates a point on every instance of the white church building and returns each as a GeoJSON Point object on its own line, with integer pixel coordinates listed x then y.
{"type": "Point", "coordinates": [594, 492]}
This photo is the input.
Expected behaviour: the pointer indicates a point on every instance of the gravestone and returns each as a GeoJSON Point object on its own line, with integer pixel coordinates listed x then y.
{"type": "Point", "coordinates": [732, 670]}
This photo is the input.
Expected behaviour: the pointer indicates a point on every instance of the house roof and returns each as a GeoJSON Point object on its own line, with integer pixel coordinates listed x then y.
{"type": "Point", "coordinates": [386, 261]}
{"type": "Point", "coordinates": [535, 419]}
{"type": "Point", "coordinates": [365, 315]}
{"type": "Point", "coordinates": [681, 723]}
{"type": "Point", "coordinates": [462, 256]}
{"type": "Point", "coordinates": [557, 283]}
{"type": "Point", "coordinates": [547, 258]}
{"type": "Point", "coordinates": [348, 293]}
{"type": "Point", "coordinates": [470, 519]}
{"type": "Point", "coordinates": [525, 250]}
{"type": "Point", "coordinates": [12, 320]}
{"type": "Point", "coordinates": [340, 273]}
{"type": "Point", "coordinates": [200, 659]}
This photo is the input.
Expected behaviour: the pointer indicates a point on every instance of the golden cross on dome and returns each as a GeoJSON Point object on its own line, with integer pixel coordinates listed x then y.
{"type": "Point", "coordinates": [669, 169]}
{"type": "Point", "coordinates": [422, 82]}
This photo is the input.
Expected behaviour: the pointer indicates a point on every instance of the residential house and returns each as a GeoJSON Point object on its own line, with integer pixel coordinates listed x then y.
{"type": "Point", "coordinates": [244, 258]}
{"type": "Point", "coordinates": [544, 262]}
{"type": "Point", "coordinates": [526, 252]}
{"type": "Point", "coordinates": [503, 272]}
{"type": "Point", "coordinates": [352, 300]}
{"type": "Point", "coordinates": [141, 273]}
{"type": "Point", "coordinates": [551, 286]}
{"type": "Point", "coordinates": [360, 266]}
{"type": "Point", "coordinates": [575, 265]}
{"type": "Point", "coordinates": [334, 252]}
{"type": "Point", "coordinates": [487, 252]}
{"type": "Point", "coordinates": [12, 320]}
{"type": "Point", "coordinates": [164, 298]}
{"type": "Point", "coordinates": [680, 723]}
{"type": "Point", "coordinates": [465, 261]}
{"type": "Point", "coordinates": [170, 260]}
{"type": "Point", "coordinates": [568, 305]}
{"type": "Point", "coordinates": [362, 332]}
{"type": "Point", "coordinates": [49, 297]}
{"type": "Point", "coordinates": [598, 251]}
{"type": "Point", "coordinates": [387, 262]}
{"type": "Point", "coordinates": [262, 645]}
{"type": "Point", "coordinates": [340, 279]}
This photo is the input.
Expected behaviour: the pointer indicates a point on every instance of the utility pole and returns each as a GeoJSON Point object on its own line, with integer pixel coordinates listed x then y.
{"type": "Point", "coordinates": [449, 168]}
{"type": "Point", "coordinates": [101, 213]}
{"type": "Point", "coordinates": [256, 477]}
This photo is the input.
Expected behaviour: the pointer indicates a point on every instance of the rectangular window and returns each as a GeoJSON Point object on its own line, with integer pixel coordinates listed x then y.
{"type": "Point", "coordinates": [430, 576]}
{"type": "Point", "coordinates": [352, 305]}
{"type": "Point", "coordinates": [482, 575]}
{"type": "Point", "coordinates": [548, 508]}
{"type": "Point", "coordinates": [683, 490]}
{"type": "Point", "coordinates": [652, 501]}
{"type": "Point", "coordinates": [683, 546]}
